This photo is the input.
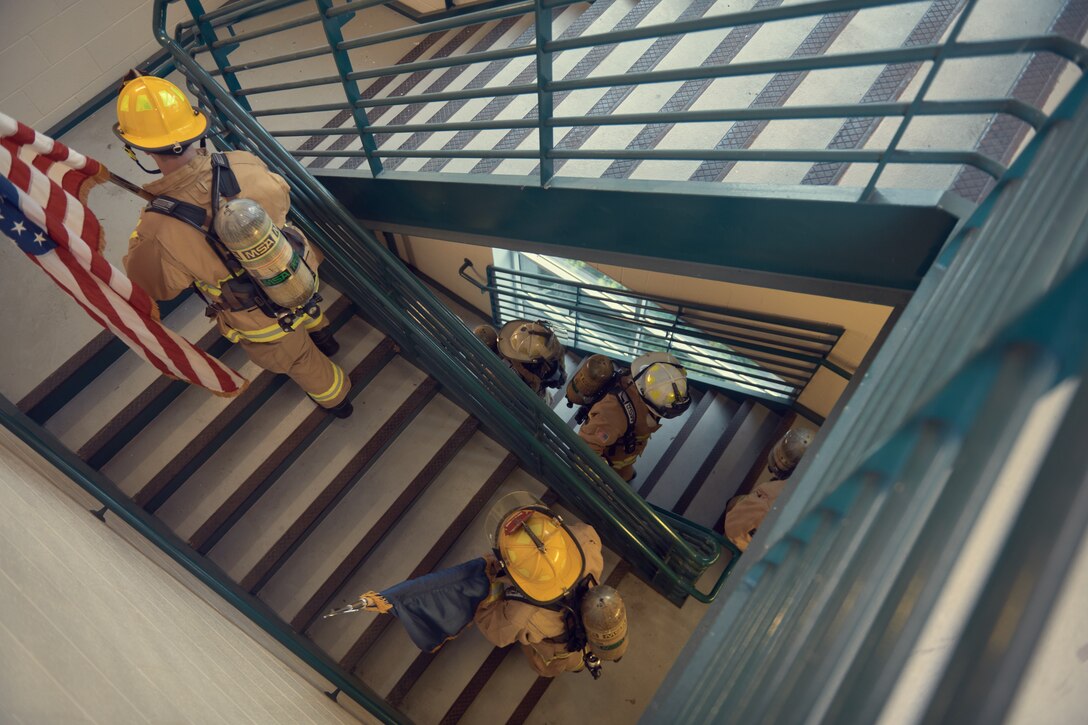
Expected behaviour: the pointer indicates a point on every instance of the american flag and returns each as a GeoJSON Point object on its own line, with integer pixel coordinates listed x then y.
{"type": "Point", "coordinates": [43, 193]}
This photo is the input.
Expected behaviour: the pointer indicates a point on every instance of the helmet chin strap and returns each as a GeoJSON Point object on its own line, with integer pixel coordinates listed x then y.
{"type": "Point", "coordinates": [132, 155]}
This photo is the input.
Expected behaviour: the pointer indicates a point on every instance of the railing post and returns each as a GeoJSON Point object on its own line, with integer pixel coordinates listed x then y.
{"type": "Point", "coordinates": [577, 314]}
{"type": "Point", "coordinates": [333, 27]}
{"type": "Point", "coordinates": [544, 105]}
{"type": "Point", "coordinates": [220, 55]}
{"type": "Point", "coordinates": [919, 97]}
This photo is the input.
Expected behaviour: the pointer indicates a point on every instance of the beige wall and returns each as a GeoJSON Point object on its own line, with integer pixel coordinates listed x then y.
{"type": "Point", "coordinates": [55, 55]}
{"type": "Point", "coordinates": [440, 261]}
{"type": "Point", "coordinates": [93, 631]}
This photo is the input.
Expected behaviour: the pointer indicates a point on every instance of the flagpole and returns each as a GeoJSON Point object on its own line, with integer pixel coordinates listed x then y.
{"type": "Point", "coordinates": [129, 186]}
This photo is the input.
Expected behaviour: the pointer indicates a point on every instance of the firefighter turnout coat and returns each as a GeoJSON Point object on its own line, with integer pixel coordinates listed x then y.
{"type": "Point", "coordinates": [540, 631]}
{"type": "Point", "coordinates": [166, 256]}
{"type": "Point", "coordinates": [606, 426]}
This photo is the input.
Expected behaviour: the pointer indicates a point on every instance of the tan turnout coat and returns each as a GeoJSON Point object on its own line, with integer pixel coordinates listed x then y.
{"type": "Point", "coordinates": [504, 622]}
{"type": "Point", "coordinates": [166, 256]}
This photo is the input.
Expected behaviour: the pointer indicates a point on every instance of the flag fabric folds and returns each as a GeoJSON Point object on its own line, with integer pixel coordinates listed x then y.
{"type": "Point", "coordinates": [435, 608]}
{"type": "Point", "coordinates": [43, 193]}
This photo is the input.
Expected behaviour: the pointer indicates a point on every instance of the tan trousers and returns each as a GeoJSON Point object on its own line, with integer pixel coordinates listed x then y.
{"type": "Point", "coordinates": [297, 356]}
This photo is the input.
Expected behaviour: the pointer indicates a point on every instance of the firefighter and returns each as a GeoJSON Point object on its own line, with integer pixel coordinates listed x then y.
{"type": "Point", "coordinates": [539, 566]}
{"type": "Point", "coordinates": [531, 349]}
{"type": "Point", "coordinates": [629, 406]}
{"type": "Point", "coordinates": [167, 255]}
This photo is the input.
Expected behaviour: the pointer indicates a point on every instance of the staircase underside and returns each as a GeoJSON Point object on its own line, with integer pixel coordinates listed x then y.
{"type": "Point", "coordinates": [869, 252]}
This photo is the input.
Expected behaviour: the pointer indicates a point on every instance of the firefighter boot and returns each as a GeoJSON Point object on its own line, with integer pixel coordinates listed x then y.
{"type": "Point", "coordinates": [342, 410]}
{"type": "Point", "coordinates": [325, 342]}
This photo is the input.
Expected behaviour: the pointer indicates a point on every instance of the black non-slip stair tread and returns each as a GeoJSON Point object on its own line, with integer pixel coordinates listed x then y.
{"type": "Point", "coordinates": [361, 635]}
{"type": "Point", "coordinates": [228, 421]}
{"type": "Point", "coordinates": [720, 448]}
{"type": "Point", "coordinates": [250, 538]}
{"type": "Point", "coordinates": [389, 520]}
{"type": "Point", "coordinates": [283, 456]}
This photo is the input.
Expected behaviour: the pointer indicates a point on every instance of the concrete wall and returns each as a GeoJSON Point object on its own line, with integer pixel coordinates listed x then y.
{"type": "Point", "coordinates": [95, 632]}
{"type": "Point", "coordinates": [55, 55]}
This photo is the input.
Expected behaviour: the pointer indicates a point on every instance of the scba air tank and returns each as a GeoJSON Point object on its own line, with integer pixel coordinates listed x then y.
{"type": "Point", "coordinates": [247, 231]}
{"type": "Point", "coordinates": [587, 382]}
{"type": "Point", "coordinates": [605, 619]}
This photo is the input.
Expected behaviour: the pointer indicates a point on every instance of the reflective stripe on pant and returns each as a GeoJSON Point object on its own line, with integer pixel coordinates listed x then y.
{"type": "Point", "coordinates": [296, 355]}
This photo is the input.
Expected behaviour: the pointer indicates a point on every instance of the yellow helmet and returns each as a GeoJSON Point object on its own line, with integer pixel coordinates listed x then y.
{"type": "Point", "coordinates": [154, 115]}
{"type": "Point", "coordinates": [662, 383]}
{"type": "Point", "coordinates": [540, 555]}
{"type": "Point", "coordinates": [529, 342]}
{"type": "Point", "coordinates": [487, 335]}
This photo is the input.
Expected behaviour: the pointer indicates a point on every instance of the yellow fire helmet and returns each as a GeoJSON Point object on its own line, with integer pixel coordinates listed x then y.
{"type": "Point", "coordinates": [662, 383]}
{"type": "Point", "coordinates": [154, 115]}
{"type": "Point", "coordinates": [540, 554]}
{"type": "Point", "coordinates": [529, 342]}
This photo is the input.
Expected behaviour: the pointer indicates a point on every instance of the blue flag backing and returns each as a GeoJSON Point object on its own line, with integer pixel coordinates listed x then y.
{"type": "Point", "coordinates": [436, 607]}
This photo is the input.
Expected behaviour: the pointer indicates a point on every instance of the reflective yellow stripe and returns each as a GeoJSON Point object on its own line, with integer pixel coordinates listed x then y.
{"type": "Point", "coordinates": [272, 332]}
{"type": "Point", "coordinates": [625, 462]}
{"type": "Point", "coordinates": [335, 389]}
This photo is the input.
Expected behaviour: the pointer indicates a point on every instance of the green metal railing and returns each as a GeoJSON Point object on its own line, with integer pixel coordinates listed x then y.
{"type": "Point", "coordinates": [546, 87]}
{"type": "Point", "coordinates": [766, 356]}
{"type": "Point", "coordinates": [671, 559]}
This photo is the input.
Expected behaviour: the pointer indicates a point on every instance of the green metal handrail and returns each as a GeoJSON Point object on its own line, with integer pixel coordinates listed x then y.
{"type": "Point", "coordinates": [434, 337]}
{"type": "Point", "coordinates": [766, 356]}
{"type": "Point", "coordinates": [545, 87]}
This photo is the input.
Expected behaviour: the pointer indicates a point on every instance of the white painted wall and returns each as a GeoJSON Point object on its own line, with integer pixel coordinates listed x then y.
{"type": "Point", "coordinates": [93, 631]}
{"type": "Point", "coordinates": [55, 55]}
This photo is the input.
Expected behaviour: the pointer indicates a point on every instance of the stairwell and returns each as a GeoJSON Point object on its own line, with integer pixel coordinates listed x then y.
{"type": "Point", "coordinates": [306, 512]}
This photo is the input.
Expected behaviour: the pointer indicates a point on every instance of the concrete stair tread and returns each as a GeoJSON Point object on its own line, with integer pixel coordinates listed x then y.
{"type": "Point", "coordinates": [214, 482]}
{"type": "Point", "coordinates": [90, 410]}
{"type": "Point", "coordinates": [366, 505]}
{"type": "Point", "coordinates": [282, 504]}
{"type": "Point", "coordinates": [400, 552]}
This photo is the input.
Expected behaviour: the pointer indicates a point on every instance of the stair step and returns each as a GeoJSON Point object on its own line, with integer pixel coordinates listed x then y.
{"type": "Point", "coordinates": [370, 509]}
{"type": "Point", "coordinates": [756, 432]}
{"type": "Point", "coordinates": [420, 540]}
{"type": "Point", "coordinates": [109, 393]}
{"type": "Point", "coordinates": [161, 438]}
{"type": "Point", "coordinates": [661, 441]}
{"type": "Point", "coordinates": [249, 541]}
{"type": "Point", "coordinates": [232, 473]}
{"type": "Point", "coordinates": [713, 415]}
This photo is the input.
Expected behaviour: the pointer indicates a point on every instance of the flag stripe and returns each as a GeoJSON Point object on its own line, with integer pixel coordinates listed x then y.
{"type": "Point", "coordinates": [44, 186]}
